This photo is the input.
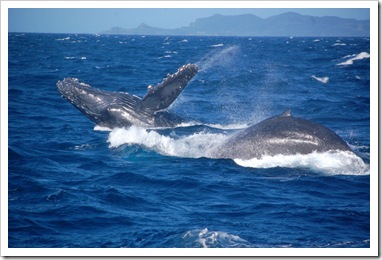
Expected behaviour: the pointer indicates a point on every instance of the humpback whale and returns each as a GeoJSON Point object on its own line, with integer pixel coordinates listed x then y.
{"type": "Point", "coordinates": [120, 109]}
{"type": "Point", "coordinates": [283, 134]}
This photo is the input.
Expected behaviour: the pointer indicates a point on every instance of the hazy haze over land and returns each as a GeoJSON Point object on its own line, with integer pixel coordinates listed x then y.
{"type": "Point", "coordinates": [285, 24]}
{"type": "Point", "coordinates": [143, 20]}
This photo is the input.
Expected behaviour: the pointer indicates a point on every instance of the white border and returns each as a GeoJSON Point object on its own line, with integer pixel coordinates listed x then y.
{"type": "Point", "coordinates": [372, 251]}
{"type": "Point", "coordinates": [190, 4]}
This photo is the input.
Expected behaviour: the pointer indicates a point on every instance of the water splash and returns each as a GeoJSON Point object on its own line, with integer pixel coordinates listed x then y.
{"type": "Point", "coordinates": [331, 162]}
{"type": "Point", "coordinates": [216, 239]}
{"type": "Point", "coordinates": [195, 145]}
{"type": "Point", "coordinates": [203, 143]}
{"type": "Point", "coordinates": [224, 57]}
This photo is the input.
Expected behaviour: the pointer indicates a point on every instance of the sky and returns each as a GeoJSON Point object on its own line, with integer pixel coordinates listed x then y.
{"type": "Point", "coordinates": [95, 20]}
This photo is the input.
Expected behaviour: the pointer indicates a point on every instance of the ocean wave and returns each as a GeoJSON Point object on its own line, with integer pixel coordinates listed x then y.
{"type": "Point", "coordinates": [321, 79]}
{"type": "Point", "coordinates": [73, 58]}
{"type": "Point", "coordinates": [359, 56]}
{"type": "Point", "coordinates": [213, 239]}
{"type": "Point", "coordinates": [218, 45]}
{"type": "Point", "coordinates": [63, 39]}
{"type": "Point", "coordinates": [339, 44]}
{"type": "Point", "coordinates": [164, 57]}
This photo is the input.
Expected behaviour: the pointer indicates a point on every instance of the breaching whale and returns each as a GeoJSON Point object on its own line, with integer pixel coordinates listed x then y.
{"type": "Point", "coordinates": [120, 109]}
{"type": "Point", "coordinates": [283, 134]}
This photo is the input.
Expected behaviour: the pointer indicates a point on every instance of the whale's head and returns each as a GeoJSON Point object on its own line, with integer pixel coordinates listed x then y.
{"type": "Point", "coordinates": [90, 101]}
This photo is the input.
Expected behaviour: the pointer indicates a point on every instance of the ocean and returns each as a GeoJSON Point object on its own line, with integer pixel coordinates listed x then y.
{"type": "Point", "coordinates": [72, 184]}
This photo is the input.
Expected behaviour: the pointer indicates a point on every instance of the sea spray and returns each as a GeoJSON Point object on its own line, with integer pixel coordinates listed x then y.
{"type": "Point", "coordinates": [219, 57]}
{"type": "Point", "coordinates": [331, 162]}
{"type": "Point", "coordinates": [195, 145]}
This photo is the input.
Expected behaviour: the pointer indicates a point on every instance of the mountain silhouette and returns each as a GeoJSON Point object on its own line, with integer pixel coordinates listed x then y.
{"type": "Point", "coordinates": [285, 24]}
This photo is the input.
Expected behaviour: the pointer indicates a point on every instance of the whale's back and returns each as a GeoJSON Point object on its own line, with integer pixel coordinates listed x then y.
{"type": "Point", "coordinates": [282, 134]}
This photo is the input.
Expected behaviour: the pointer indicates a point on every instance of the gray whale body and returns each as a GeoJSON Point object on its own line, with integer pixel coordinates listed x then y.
{"type": "Point", "coordinates": [283, 134]}
{"type": "Point", "coordinates": [120, 109]}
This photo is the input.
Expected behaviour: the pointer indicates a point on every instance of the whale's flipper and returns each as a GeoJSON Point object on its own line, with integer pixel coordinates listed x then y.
{"type": "Point", "coordinates": [119, 109]}
{"type": "Point", "coordinates": [164, 94]}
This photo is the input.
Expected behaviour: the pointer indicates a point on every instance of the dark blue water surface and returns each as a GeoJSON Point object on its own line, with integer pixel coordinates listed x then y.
{"type": "Point", "coordinates": [72, 184]}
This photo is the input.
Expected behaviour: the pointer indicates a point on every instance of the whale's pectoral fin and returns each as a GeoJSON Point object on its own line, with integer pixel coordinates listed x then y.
{"type": "Point", "coordinates": [165, 93]}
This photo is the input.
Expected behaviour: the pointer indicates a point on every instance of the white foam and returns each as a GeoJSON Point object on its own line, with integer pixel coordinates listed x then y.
{"type": "Point", "coordinates": [164, 57]}
{"type": "Point", "coordinates": [193, 146]}
{"type": "Point", "coordinates": [339, 44]}
{"type": "Point", "coordinates": [321, 79]}
{"type": "Point", "coordinates": [359, 56]}
{"type": "Point", "coordinates": [208, 239]}
{"type": "Point", "coordinates": [63, 39]}
{"type": "Point", "coordinates": [218, 45]}
{"type": "Point", "coordinates": [72, 58]}
{"type": "Point", "coordinates": [332, 162]}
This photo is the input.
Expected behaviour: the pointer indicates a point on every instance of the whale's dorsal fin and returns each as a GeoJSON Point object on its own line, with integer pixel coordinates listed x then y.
{"type": "Point", "coordinates": [286, 113]}
{"type": "Point", "coordinates": [165, 93]}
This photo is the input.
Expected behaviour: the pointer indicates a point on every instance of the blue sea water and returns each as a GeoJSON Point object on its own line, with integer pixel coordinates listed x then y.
{"type": "Point", "coordinates": [73, 184]}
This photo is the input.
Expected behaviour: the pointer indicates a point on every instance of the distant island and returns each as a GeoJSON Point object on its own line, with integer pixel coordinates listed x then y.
{"type": "Point", "coordinates": [286, 24]}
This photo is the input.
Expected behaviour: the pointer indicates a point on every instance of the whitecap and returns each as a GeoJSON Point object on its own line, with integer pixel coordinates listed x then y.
{"type": "Point", "coordinates": [164, 57]}
{"type": "Point", "coordinates": [72, 58]}
{"type": "Point", "coordinates": [173, 52]}
{"type": "Point", "coordinates": [213, 239]}
{"type": "Point", "coordinates": [63, 39]}
{"type": "Point", "coordinates": [218, 45]}
{"type": "Point", "coordinates": [321, 79]}
{"type": "Point", "coordinates": [360, 56]}
{"type": "Point", "coordinates": [339, 44]}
